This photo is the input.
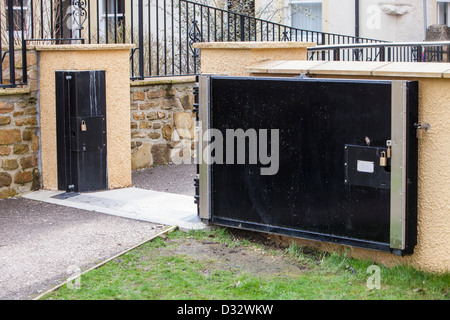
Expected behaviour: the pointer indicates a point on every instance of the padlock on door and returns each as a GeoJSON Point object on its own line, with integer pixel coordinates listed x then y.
{"type": "Point", "coordinates": [83, 125]}
{"type": "Point", "coordinates": [383, 159]}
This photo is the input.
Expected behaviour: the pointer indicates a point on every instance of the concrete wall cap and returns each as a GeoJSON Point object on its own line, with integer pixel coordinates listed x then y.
{"type": "Point", "coordinates": [391, 69]}
{"type": "Point", "coordinates": [14, 91]}
{"type": "Point", "coordinates": [254, 45]}
{"type": "Point", "coordinates": [84, 47]}
{"type": "Point", "coordinates": [163, 80]}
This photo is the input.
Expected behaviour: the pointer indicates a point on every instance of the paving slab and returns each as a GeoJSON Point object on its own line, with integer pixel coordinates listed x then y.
{"type": "Point", "coordinates": [133, 203]}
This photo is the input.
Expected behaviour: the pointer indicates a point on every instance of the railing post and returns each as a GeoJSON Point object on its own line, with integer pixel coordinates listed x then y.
{"type": "Point", "coordinates": [12, 68]}
{"type": "Point", "coordinates": [141, 38]}
{"type": "Point", "coordinates": [24, 62]}
{"type": "Point", "coordinates": [382, 53]}
{"type": "Point", "coordinates": [336, 55]}
{"type": "Point", "coordinates": [242, 28]}
{"type": "Point", "coordinates": [419, 54]}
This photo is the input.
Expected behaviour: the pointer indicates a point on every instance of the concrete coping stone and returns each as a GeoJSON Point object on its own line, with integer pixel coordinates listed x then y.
{"type": "Point", "coordinates": [294, 66]}
{"type": "Point", "coordinates": [390, 69]}
{"type": "Point", "coordinates": [15, 91]}
{"type": "Point", "coordinates": [162, 81]}
{"type": "Point", "coordinates": [261, 45]}
{"type": "Point", "coordinates": [84, 47]}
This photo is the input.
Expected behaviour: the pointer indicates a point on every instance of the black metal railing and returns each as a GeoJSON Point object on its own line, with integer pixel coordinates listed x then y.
{"type": "Point", "coordinates": [163, 31]}
{"type": "Point", "coordinates": [391, 52]}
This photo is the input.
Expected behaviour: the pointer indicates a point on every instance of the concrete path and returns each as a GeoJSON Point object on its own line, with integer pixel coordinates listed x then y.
{"type": "Point", "coordinates": [133, 203]}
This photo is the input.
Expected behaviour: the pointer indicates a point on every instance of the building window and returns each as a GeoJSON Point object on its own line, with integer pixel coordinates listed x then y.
{"type": "Point", "coordinates": [113, 9]}
{"type": "Point", "coordinates": [306, 15]}
{"type": "Point", "coordinates": [17, 15]}
{"type": "Point", "coordinates": [443, 9]}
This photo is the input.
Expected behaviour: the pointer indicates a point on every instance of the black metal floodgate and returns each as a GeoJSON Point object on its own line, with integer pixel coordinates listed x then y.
{"type": "Point", "coordinates": [81, 130]}
{"type": "Point", "coordinates": [340, 158]}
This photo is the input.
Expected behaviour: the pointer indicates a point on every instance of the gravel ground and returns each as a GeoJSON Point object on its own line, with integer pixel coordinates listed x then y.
{"type": "Point", "coordinates": [167, 178]}
{"type": "Point", "coordinates": [40, 242]}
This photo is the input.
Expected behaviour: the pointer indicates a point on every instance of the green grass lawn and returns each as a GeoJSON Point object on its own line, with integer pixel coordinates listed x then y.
{"type": "Point", "coordinates": [154, 271]}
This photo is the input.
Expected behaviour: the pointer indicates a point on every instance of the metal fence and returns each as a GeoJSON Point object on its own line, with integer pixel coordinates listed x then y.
{"type": "Point", "coordinates": [163, 31]}
{"type": "Point", "coordinates": [391, 52]}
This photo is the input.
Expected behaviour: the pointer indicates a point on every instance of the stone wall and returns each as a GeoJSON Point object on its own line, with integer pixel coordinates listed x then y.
{"type": "Point", "coordinates": [162, 122]}
{"type": "Point", "coordinates": [19, 130]}
{"type": "Point", "coordinates": [19, 143]}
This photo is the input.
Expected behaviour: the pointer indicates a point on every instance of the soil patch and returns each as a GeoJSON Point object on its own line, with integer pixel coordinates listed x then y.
{"type": "Point", "coordinates": [255, 260]}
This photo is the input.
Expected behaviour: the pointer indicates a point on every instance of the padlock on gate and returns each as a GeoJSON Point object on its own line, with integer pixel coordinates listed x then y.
{"type": "Point", "coordinates": [383, 159]}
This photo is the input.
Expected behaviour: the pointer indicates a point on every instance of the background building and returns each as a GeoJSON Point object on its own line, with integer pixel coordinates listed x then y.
{"type": "Point", "coordinates": [389, 20]}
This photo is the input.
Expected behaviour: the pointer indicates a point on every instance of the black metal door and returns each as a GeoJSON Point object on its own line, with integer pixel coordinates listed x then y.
{"type": "Point", "coordinates": [81, 130]}
{"type": "Point", "coordinates": [329, 185]}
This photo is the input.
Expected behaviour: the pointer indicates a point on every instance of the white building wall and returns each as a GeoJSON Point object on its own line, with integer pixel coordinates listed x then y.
{"type": "Point", "coordinates": [392, 20]}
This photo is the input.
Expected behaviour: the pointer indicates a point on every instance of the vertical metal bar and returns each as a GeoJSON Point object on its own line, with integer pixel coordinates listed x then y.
{"type": "Point", "coordinates": [215, 25]}
{"type": "Point", "coordinates": [419, 53]}
{"type": "Point", "coordinates": [382, 53]}
{"type": "Point", "coordinates": [124, 23]}
{"type": "Point", "coordinates": [235, 27]}
{"type": "Point", "coordinates": [61, 29]}
{"type": "Point", "coordinates": [115, 20]}
{"type": "Point", "coordinates": [194, 27]}
{"type": "Point", "coordinates": [336, 55]}
{"type": "Point", "coordinates": [242, 24]}
{"type": "Point", "coordinates": [141, 38]}
{"type": "Point", "coordinates": [204, 168]}
{"type": "Point", "coordinates": [179, 36]}
{"type": "Point", "coordinates": [173, 40]}
{"type": "Point", "coordinates": [228, 26]}
{"type": "Point", "coordinates": [261, 30]}
{"type": "Point", "coordinates": [187, 37]}
{"type": "Point", "coordinates": [201, 21]}
{"type": "Point", "coordinates": [157, 36]}
{"type": "Point", "coordinates": [24, 46]}
{"type": "Point", "coordinates": [42, 18]}
{"type": "Point", "coordinates": [52, 30]}
{"type": "Point", "coordinates": [98, 21]}
{"type": "Point", "coordinates": [149, 38]}
{"type": "Point", "coordinates": [106, 22]}
{"type": "Point", "coordinates": [398, 165]}
{"type": "Point", "coordinates": [132, 36]}
{"type": "Point", "coordinates": [32, 18]}
{"type": "Point", "coordinates": [165, 38]}
{"type": "Point", "coordinates": [22, 24]}
{"type": "Point", "coordinates": [208, 24]}
{"type": "Point", "coordinates": [12, 70]}
{"type": "Point", "coordinates": [89, 20]}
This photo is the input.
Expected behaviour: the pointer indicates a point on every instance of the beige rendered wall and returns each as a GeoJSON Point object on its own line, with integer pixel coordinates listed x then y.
{"type": "Point", "coordinates": [114, 59]}
{"type": "Point", "coordinates": [233, 57]}
{"type": "Point", "coordinates": [432, 252]}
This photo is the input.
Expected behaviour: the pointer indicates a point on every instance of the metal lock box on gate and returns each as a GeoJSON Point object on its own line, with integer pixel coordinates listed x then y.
{"type": "Point", "coordinates": [347, 151]}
